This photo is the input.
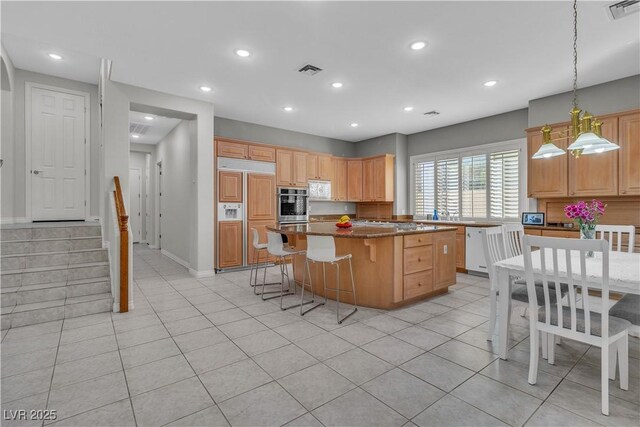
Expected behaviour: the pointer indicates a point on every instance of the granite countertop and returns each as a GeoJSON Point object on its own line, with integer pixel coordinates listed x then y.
{"type": "Point", "coordinates": [358, 231]}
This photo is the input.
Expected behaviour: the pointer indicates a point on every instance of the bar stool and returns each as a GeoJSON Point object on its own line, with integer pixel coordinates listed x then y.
{"type": "Point", "coordinates": [259, 248]}
{"type": "Point", "coordinates": [322, 249]}
{"type": "Point", "coordinates": [276, 248]}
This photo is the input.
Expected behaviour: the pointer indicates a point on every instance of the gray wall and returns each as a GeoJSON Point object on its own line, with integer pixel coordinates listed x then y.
{"type": "Point", "coordinates": [501, 127]}
{"type": "Point", "coordinates": [269, 135]}
{"type": "Point", "coordinates": [22, 76]}
{"type": "Point", "coordinates": [605, 98]}
{"type": "Point", "coordinates": [7, 146]}
{"type": "Point", "coordinates": [174, 151]}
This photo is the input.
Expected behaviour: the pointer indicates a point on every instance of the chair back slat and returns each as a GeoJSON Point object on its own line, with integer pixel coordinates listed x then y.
{"type": "Point", "coordinates": [512, 234]}
{"type": "Point", "coordinates": [493, 248]}
{"type": "Point", "coordinates": [553, 264]}
{"type": "Point", "coordinates": [616, 233]}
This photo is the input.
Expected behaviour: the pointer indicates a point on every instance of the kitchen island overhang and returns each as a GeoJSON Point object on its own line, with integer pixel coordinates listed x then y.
{"type": "Point", "coordinates": [394, 264]}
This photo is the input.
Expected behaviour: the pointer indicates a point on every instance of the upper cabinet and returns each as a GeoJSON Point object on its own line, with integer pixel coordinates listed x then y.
{"type": "Point", "coordinates": [319, 166]}
{"type": "Point", "coordinates": [339, 183]}
{"type": "Point", "coordinates": [377, 179]}
{"type": "Point", "coordinates": [262, 153]}
{"type": "Point", "coordinates": [354, 180]}
{"type": "Point", "coordinates": [547, 177]}
{"type": "Point", "coordinates": [596, 174]}
{"type": "Point", "coordinates": [629, 153]}
{"type": "Point", "coordinates": [231, 149]}
{"type": "Point", "coordinates": [613, 173]}
{"type": "Point", "coordinates": [243, 150]}
{"type": "Point", "coordinates": [291, 168]}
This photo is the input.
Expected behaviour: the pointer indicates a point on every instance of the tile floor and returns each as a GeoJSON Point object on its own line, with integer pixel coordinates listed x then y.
{"type": "Point", "coordinates": [209, 352]}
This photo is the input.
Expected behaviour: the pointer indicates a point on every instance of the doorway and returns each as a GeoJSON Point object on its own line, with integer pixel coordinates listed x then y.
{"type": "Point", "coordinates": [135, 195]}
{"type": "Point", "coordinates": [159, 178]}
{"type": "Point", "coordinates": [57, 129]}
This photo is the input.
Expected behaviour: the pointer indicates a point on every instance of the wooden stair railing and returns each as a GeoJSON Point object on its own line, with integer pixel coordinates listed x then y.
{"type": "Point", "coordinates": [123, 225]}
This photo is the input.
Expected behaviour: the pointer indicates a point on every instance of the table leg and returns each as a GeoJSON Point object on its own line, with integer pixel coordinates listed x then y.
{"type": "Point", "coordinates": [504, 311]}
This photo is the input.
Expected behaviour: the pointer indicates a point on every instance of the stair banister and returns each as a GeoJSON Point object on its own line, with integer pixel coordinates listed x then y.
{"type": "Point", "coordinates": [123, 226]}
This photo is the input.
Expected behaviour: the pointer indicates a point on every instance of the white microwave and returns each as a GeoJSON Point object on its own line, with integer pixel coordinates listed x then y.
{"type": "Point", "coordinates": [319, 190]}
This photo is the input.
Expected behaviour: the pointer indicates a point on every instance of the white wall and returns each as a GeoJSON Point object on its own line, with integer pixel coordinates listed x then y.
{"type": "Point", "coordinates": [21, 77]}
{"type": "Point", "coordinates": [197, 219]}
{"type": "Point", "coordinates": [174, 151]}
{"type": "Point", "coordinates": [7, 171]}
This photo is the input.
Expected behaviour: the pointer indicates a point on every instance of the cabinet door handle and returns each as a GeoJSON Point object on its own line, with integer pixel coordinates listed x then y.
{"type": "Point", "coordinates": [419, 284]}
{"type": "Point", "coordinates": [419, 259]}
{"type": "Point", "coordinates": [624, 191]}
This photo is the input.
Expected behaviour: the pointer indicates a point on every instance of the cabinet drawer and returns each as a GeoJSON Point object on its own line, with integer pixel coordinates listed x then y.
{"type": "Point", "coordinates": [418, 284]}
{"type": "Point", "coordinates": [417, 259]}
{"type": "Point", "coordinates": [263, 154]}
{"type": "Point", "coordinates": [232, 149]}
{"type": "Point", "coordinates": [561, 233]}
{"type": "Point", "coordinates": [417, 240]}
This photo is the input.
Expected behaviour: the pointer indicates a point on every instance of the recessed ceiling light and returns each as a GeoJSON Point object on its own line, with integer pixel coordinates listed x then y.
{"type": "Point", "coordinates": [337, 85]}
{"type": "Point", "coordinates": [135, 136]}
{"type": "Point", "coordinates": [205, 88]}
{"type": "Point", "coordinates": [55, 56]}
{"type": "Point", "coordinates": [418, 45]}
{"type": "Point", "coordinates": [288, 109]}
{"type": "Point", "coordinates": [242, 52]}
{"type": "Point", "coordinates": [408, 108]}
{"type": "Point", "coordinates": [490, 83]}
{"type": "Point", "coordinates": [149, 118]}
{"type": "Point", "coordinates": [354, 125]}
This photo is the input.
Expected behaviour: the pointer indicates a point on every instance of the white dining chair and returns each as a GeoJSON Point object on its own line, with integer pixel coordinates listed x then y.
{"type": "Point", "coordinates": [615, 233]}
{"type": "Point", "coordinates": [580, 324]}
{"type": "Point", "coordinates": [512, 234]}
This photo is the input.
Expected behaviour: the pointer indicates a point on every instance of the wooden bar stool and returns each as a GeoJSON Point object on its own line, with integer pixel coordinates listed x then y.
{"type": "Point", "coordinates": [322, 249]}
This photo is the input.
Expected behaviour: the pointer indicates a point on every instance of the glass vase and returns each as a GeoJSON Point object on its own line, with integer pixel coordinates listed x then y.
{"type": "Point", "coordinates": [588, 233]}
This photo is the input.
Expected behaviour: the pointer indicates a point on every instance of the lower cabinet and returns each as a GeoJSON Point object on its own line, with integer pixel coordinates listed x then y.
{"type": "Point", "coordinates": [229, 244]}
{"type": "Point", "coordinates": [561, 233]}
{"type": "Point", "coordinates": [461, 253]}
{"type": "Point", "coordinates": [417, 284]}
{"type": "Point", "coordinates": [261, 227]}
{"type": "Point", "coordinates": [444, 259]}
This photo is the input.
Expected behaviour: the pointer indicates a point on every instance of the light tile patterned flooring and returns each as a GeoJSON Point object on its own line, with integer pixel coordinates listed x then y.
{"type": "Point", "coordinates": [209, 352]}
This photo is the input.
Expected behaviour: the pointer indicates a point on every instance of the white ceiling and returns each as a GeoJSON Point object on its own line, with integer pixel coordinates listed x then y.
{"type": "Point", "coordinates": [154, 130]}
{"type": "Point", "coordinates": [176, 47]}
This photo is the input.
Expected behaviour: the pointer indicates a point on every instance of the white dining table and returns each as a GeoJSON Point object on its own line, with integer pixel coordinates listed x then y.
{"type": "Point", "coordinates": [624, 277]}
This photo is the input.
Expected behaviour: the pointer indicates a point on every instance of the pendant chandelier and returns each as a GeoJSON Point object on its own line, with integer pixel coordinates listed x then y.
{"type": "Point", "coordinates": [585, 129]}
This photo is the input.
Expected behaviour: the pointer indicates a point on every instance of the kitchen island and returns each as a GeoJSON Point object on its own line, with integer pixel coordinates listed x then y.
{"type": "Point", "coordinates": [393, 263]}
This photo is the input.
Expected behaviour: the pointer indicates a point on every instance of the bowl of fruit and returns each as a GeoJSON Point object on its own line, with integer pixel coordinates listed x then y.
{"type": "Point", "coordinates": [344, 222]}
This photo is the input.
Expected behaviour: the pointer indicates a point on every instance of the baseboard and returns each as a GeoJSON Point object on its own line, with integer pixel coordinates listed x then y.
{"type": "Point", "coordinates": [200, 274]}
{"type": "Point", "coordinates": [175, 258]}
{"type": "Point", "coordinates": [16, 220]}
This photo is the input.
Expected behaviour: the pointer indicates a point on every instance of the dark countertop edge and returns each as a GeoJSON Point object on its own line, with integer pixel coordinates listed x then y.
{"type": "Point", "coordinates": [337, 234]}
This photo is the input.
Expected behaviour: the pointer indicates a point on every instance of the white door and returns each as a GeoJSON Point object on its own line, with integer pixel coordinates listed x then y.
{"type": "Point", "coordinates": [160, 205]}
{"type": "Point", "coordinates": [57, 155]}
{"type": "Point", "coordinates": [135, 202]}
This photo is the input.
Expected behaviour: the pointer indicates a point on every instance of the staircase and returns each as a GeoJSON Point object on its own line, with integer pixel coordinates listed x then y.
{"type": "Point", "coordinates": [52, 271]}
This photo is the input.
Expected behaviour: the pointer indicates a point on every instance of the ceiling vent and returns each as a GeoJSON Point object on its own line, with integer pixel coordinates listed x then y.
{"type": "Point", "coordinates": [310, 70]}
{"type": "Point", "coordinates": [624, 8]}
{"type": "Point", "coordinates": [138, 128]}
{"type": "Point", "coordinates": [432, 113]}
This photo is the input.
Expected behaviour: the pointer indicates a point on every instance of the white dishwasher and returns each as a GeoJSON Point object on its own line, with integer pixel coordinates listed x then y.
{"type": "Point", "coordinates": [474, 251]}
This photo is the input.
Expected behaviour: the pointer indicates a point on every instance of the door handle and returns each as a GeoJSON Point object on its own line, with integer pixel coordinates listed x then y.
{"type": "Point", "coordinates": [36, 172]}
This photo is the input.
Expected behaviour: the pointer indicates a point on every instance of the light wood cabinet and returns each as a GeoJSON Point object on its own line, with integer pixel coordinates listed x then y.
{"type": "Point", "coordinates": [230, 244]}
{"type": "Point", "coordinates": [354, 180]}
{"type": "Point", "coordinates": [230, 186]}
{"type": "Point", "coordinates": [291, 168]}
{"type": "Point", "coordinates": [377, 179]}
{"type": "Point", "coordinates": [561, 233]}
{"type": "Point", "coordinates": [596, 174]}
{"type": "Point", "coordinates": [444, 259]}
{"type": "Point", "coordinates": [547, 177]}
{"type": "Point", "coordinates": [532, 232]}
{"type": "Point", "coordinates": [319, 166]}
{"type": "Point", "coordinates": [367, 180]}
{"type": "Point", "coordinates": [418, 284]}
{"type": "Point", "coordinates": [629, 153]}
{"type": "Point", "coordinates": [339, 183]}
{"type": "Point", "coordinates": [299, 169]}
{"type": "Point", "coordinates": [418, 258]}
{"type": "Point", "coordinates": [312, 166]}
{"type": "Point", "coordinates": [261, 197]}
{"type": "Point", "coordinates": [414, 240]}
{"type": "Point", "coordinates": [461, 244]}
{"type": "Point", "coordinates": [231, 149]}
{"type": "Point", "coordinates": [262, 153]}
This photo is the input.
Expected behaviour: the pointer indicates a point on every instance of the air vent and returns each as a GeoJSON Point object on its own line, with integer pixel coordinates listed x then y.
{"type": "Point", "coordinates": [624, 8]}
{"type": "Point", "coordinates": [432, 113]}
{"type": "Point", "coordinates": [138, 128]}
{"type": "Point", "coordinates": [310, 70]}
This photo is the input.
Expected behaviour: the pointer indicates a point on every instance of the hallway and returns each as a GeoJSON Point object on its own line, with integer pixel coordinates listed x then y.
{"type": "Point", "coordinates": [209, 352]}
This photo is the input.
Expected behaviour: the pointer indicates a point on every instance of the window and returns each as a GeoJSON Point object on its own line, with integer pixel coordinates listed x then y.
{"type": "Point", "coordinates": [447, 186]}
{"type": "Point", "coordinates": [423, 178]}
{"type": "Point", "coordinates": [485, 182]}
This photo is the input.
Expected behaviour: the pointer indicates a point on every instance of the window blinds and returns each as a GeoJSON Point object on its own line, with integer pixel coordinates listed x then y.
{"type": "Point", "coordinates": [474, 186]}
{"type": "Point", "coordinates": [424, 175]}
{"type": "Point", "coordinates": [447, 176]}
{"type": "Point", "coordinates": [504, 178]}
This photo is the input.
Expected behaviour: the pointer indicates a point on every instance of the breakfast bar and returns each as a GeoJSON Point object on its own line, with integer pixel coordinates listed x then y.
{"type": "Point", "coordinates": [393, 263]}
